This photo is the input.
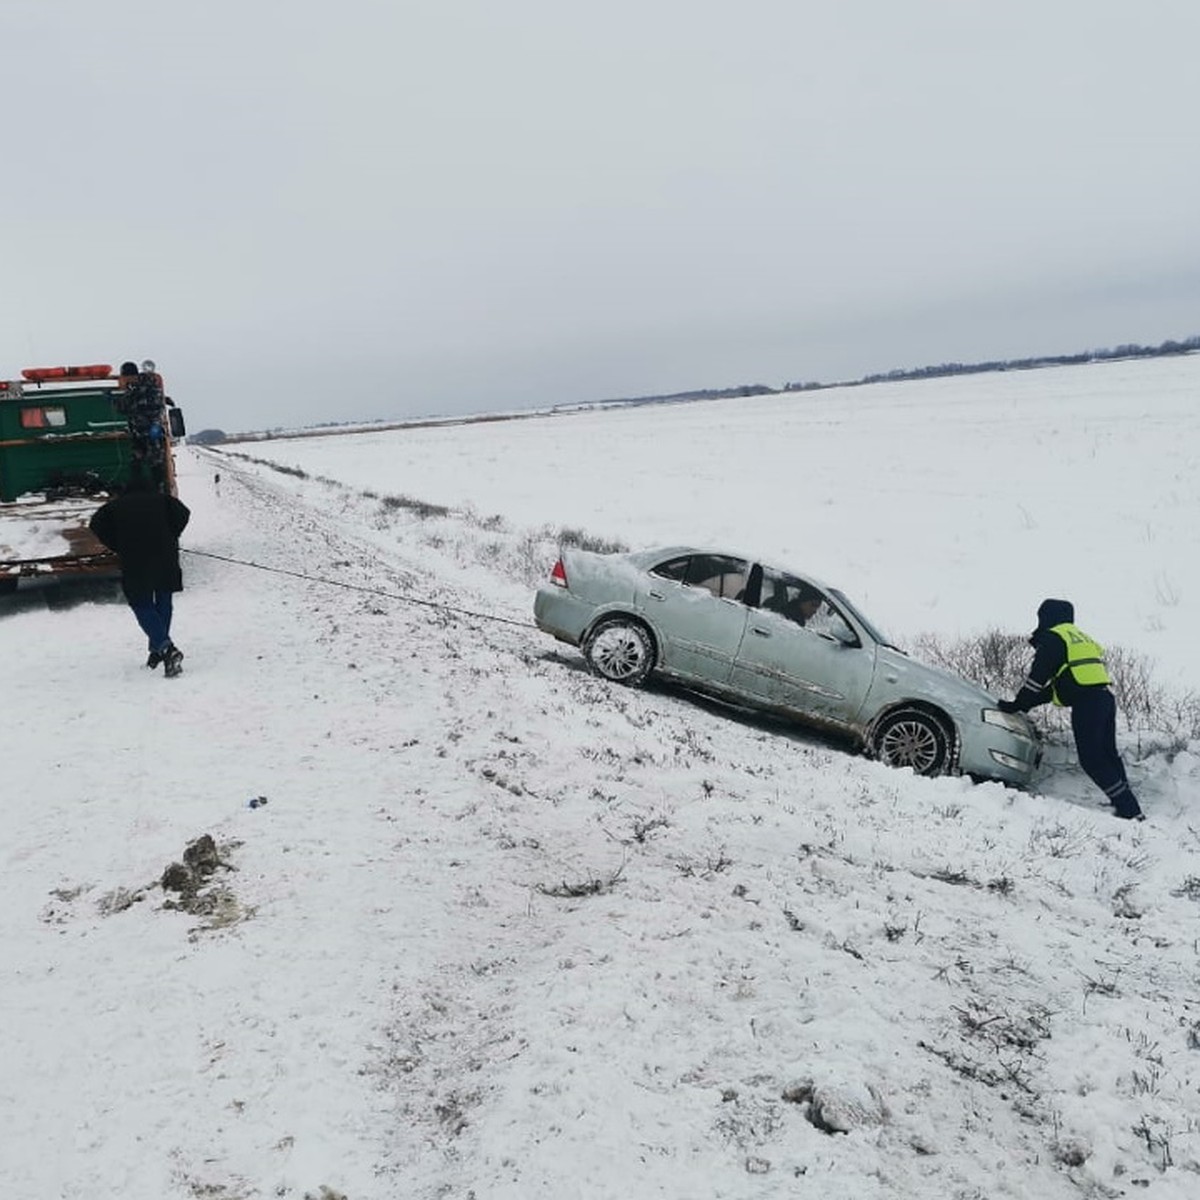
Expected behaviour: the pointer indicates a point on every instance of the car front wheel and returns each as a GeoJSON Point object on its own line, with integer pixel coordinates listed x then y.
{"type": "Point", "coordinates": [912, 738]}
{"type": "Point", "coordinates": [620, 650]}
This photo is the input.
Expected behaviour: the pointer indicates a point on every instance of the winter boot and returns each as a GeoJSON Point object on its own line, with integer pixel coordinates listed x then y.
{"type": "Point", "coordinates": [173, 661]}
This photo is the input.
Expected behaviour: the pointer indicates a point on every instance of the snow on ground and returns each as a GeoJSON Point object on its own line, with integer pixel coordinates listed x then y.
{"type": "Point", "coordinates": [502, 930]}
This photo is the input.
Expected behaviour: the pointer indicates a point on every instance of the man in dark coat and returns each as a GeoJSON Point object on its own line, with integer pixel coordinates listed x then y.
{"type": "Point", "coordinates": [139, 398]}
{"type": "Point", "coordinates": [1068, 669]}
{"type": "Point", "coordinates": [142, 526]}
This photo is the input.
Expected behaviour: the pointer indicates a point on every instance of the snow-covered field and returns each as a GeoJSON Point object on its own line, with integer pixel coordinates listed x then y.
{"type": "Point", "coordinates": [951, 505]}
{"type": "Point", "coordinates": [501, 930]}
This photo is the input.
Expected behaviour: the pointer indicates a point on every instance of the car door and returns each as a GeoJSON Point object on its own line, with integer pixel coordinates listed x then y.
{"type": "Point", "coordinates": [696, 604]}
{"type": "Point", "coordinates": [800, 653]}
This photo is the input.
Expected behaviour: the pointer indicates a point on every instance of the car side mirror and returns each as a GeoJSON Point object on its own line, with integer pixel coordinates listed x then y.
{"type": "Point", "coordinates": [175, 423]}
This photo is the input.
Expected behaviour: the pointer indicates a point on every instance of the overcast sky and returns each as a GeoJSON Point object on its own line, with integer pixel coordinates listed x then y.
{"type": "Point", "coordinates": [310, 210]}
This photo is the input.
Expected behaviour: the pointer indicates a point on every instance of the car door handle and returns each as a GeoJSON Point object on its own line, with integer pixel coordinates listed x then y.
{"type": "Point", "coordinates": [758, 631]}
{"type": "Point", "coordinates": [655, 595]}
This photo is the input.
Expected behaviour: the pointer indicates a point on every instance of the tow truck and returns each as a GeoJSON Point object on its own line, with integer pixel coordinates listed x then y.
{"type": "Point", "coordinates": [65, 448]}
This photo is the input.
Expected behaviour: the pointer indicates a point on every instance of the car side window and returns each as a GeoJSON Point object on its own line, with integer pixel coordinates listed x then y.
{"type": "Point", "coordinates": [673, 568]}
{"type": "Point", "coordinates": [802, 604]}
{"type": "Point", "coordinates": [828, 622]}
{"type": "Point", "coordinates": [719, 574]}
{"type": "Point", "coordinates": [791, 598]}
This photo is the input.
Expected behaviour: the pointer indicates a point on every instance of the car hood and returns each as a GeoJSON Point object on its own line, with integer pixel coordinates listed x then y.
{"type": "Point", "coordinates": [933, 682]}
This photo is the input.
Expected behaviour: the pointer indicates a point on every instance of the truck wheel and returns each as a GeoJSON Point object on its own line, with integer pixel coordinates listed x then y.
{"type": "Point", "coordinates": [912, 738]}
{"type": "Point", "coordinates": [621, 650]}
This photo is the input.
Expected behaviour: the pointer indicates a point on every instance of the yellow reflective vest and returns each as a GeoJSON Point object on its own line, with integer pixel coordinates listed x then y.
{"type": "Point", "coordinates": [1085, 660]}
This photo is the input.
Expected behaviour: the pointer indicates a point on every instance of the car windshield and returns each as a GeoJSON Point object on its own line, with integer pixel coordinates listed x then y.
{"type": "Point", "coordinates": [870, 627]}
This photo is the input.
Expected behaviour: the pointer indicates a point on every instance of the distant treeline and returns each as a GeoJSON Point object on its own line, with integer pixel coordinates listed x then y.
{"type": "Point", "coordinates": [1026, 364]}
{"type": "Point", "coordinates": [1187, 346]}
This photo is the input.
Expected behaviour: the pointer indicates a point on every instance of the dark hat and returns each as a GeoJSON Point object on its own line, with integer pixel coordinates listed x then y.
{"type": "Point", "coordinates": [1055, 612]}
{"type": "Point", "coordinates": [129, 368]}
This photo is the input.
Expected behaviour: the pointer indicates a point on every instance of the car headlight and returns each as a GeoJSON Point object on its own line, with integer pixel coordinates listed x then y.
{"type": "Point", "coordinates": [1015, 723]}
{"type": "Point", "coordinates": [1009, 761]}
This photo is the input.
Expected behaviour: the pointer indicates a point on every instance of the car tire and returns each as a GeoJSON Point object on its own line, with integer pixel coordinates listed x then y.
{"type": "Point", "coordinates": [911, 737]}
{"type": "Point", "coordinates": [620, 650]}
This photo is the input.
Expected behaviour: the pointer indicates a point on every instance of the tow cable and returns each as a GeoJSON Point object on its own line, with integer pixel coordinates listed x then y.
{"type": "Point", "coordinates": [355, 587]}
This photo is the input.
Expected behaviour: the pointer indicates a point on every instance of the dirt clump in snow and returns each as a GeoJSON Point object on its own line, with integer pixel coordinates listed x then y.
{"type": "Point", "coordinates": [192, 881]}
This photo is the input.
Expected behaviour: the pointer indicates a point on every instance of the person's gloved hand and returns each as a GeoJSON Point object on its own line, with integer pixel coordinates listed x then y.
{"type": "Point", "coordinates": [1007, 706]}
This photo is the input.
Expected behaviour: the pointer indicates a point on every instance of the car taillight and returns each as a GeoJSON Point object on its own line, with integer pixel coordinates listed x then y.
{"type": "Point", "coordinates": [558, 576]}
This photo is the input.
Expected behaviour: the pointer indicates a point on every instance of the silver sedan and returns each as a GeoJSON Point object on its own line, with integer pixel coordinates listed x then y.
{"type": "Point", "coordinates": [782, 642]}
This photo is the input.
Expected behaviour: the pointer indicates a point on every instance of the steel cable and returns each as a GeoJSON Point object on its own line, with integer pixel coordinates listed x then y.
{"type": "Point", "coordinates": [356, 587]}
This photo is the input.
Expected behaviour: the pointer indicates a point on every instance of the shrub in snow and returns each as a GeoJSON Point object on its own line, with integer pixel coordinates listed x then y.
{"type": "Point", "coordinates": [1073, 1151]}
{"type": "Point", "coordinates": [580, 540]}
{"type": "Point", "coordinates": [838, 1107]}
{"type": "Point", "coordinates": [999, 662]}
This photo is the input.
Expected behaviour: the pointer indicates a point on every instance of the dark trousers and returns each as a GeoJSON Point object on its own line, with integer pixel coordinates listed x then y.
{"type": "Point", "coordinates": [1094, 723]}
{"type": "Point", "coordinates": [153, 612]}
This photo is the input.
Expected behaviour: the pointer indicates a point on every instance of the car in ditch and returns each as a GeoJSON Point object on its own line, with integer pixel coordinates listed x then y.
{"type": "Point", "coordinates": [771, 639]}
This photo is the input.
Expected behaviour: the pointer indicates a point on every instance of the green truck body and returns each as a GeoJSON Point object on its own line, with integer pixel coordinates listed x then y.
{"type": "Point", "coordinates": [48, 438]}
{"type": "Point", "coordinates": [64, 451]}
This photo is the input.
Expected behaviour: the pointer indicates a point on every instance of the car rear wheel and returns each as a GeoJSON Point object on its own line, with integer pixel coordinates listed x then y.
{"type": "Point", "coordinates": [620, 649]}
{"type": "Point", "coordinates": [912, 738]}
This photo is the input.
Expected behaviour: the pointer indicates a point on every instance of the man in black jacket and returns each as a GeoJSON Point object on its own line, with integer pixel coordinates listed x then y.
{"type": "Point", "coordinates": [142, 526]}
{"type": "Point", "coordinates": [1068, 669]}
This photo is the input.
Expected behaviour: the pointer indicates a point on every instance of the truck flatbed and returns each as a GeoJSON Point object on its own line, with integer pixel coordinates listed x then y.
{"type": "Point", "coordinates": [40, 537]}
